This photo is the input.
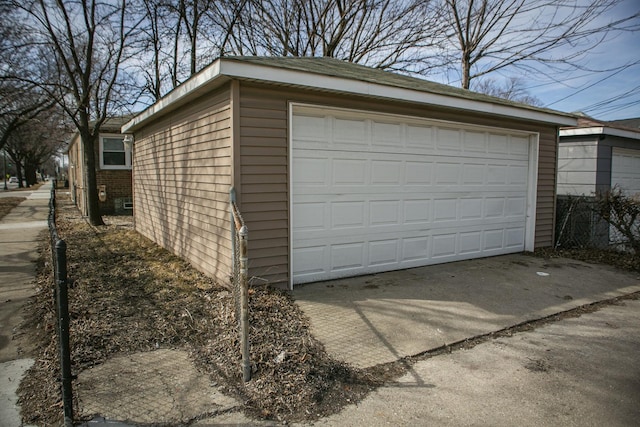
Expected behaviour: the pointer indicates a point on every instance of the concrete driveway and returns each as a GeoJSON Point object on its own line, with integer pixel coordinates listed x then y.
{"type": "Point", "coordinates": [381, 318]}
{"type": "Point", "coordinates": [579, 372]}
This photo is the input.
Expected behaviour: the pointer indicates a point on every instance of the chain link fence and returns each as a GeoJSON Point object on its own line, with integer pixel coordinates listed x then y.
{"type": "Point", "coordinates": [240, 281]}
{"type": "Point", "coordinates": [578, 225]}
{"type": "Point", "coordinates": [59, 264]}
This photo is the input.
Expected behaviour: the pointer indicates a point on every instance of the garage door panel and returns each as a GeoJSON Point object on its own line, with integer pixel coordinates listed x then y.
{"type": "Point", "coordinates": [348, 215]}
{"type": "Point", "coordinates": [403, 138]}
{"type": "Point", "coordinates": [434, 171]}
{"type": "Point", "coordinates": [417, 211]}
{"type": "Point", "coordinates": [493, 240]}
{"type": "Point", "coordinates": [310, 216]}
{"type": "Point", "coordinates": [384, 252]}
{"type": "Point", "coordinates": [311, 171]}
{"type": "Point", "coordinates": [471, 209]}
{"type": "Point", "coordinates": [416, 195]}
{"type": "Point", "coordinates": [475, 141]}
{"type": "Point", "coordinates": [515, 207]}
{"type": "Point", "coordinates": [349, 172]}
{"type": "Point", "coordinates": [444, 245]}
{"type": "Point", "coordinates": [347, 256]}
{"type": "Point", "coordinates": [625, 170]}
{"type": "Point", "coordinates": [386, 172]}
{"type": "Point", "coordinates": [314, 219]}
{"type": "Point", "coordinates": [418, 173]}
{"type": "Point", "coordinates": [310, 129]}
{"type": "Point", "coordinates": [362, 234]}
{"type": "Point", "coordinates": [386, 134]}
{"type": "Point", "coordinates": [305, 260]}
{"type": "Point", "coordinates": [514, 238]}
{"type": "Point", "coordinates": [473, 174]}
{"type": "Point", "coordinates": [519, 146]}
{"type": "Point", "coordinates": [498, 144]}
{"type": "Point", "coordinates": [419, 138]}
{"type": "Point", "coordinates": [350, 258]}
{"type": "Point", "coordinates": [471, 242]}
{"type": "Point", "coordinates": [445, 210]}
{"type": "Point", "coordinates": [384, 213]}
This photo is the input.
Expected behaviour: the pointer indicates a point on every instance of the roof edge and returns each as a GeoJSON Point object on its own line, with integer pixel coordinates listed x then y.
{"type": "Point", "coordinates": [206, 78]}
{"type": "Point", "coordinates": [232, 68]}
{"type": "Point", "coordinates": [600, 130]}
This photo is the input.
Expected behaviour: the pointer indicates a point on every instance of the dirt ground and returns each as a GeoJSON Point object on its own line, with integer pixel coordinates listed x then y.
{"type": "Point", "coordinates": [129, 296]}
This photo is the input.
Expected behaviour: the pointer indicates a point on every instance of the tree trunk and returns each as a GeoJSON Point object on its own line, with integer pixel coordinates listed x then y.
{"type": "Point", "coordinates": [93, 207]}
{"type": "Point", "coordinates": [19, 173]}
{"type": "Point", "coordinates": [30, 174]}
{"type": "Point", "coordinates": [466, 70]}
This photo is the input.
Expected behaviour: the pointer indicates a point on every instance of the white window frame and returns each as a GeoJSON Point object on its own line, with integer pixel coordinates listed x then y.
{"type": "Point", "coordinates": [127, 153]}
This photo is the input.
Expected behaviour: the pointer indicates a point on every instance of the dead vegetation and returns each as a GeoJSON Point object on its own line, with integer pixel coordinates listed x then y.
{"type": "Point", "coordinates": [8, 203]}
{"type": "Point", "coordinates": [128, 295]}
{"type": "Point", "coordinates": [623, 260]}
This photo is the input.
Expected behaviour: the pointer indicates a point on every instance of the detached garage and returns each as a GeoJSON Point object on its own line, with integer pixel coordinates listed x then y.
{"type": "Point", "coordinates": [594, 157]}
{"type": "Point", "coordinates": [340, 170]}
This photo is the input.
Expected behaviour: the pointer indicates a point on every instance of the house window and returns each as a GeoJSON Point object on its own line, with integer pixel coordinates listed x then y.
{"type": "Point", "coordinates": [114, 153]}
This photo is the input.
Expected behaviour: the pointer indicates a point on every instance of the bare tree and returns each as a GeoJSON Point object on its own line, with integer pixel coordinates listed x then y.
{"type": "Point", "coordinates": [19, 104]}
{"type": "Point", "coordinates": [491, 35]}
{"type": "Point", "coordinates": [37, 141]}
{"type": "Point", "coordinates": [20, 100]}
{"type": "Point", "coordinates": [84, 42]}
{"type": "Point", "coordinates": [386, 34]}
{"type": "Point", "coordinates": [512, 89]}
{"type": "Point", "coordinates": [176, 38]}
{"type": "Point", "coordinates": [180, 36]}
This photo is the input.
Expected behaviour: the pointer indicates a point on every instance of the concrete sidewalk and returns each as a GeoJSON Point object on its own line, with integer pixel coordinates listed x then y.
{"type": "Point", "coordinates": [18, 251]}
{"type": "Point", "coordinates": [370, 320]}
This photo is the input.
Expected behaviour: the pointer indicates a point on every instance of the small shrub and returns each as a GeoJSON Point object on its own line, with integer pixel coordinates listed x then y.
{"type": "Point", "coordinates": [623, 213]}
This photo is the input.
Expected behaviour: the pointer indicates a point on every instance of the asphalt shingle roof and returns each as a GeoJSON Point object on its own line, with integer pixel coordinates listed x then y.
{"type": "Point", "coordinates": [343, 69]}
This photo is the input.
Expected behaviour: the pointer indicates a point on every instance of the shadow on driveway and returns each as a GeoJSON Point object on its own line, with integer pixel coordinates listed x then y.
{"type": "Point", "coordinates": [370, 320]}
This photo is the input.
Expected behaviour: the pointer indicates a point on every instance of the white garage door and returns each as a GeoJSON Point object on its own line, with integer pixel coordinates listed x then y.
{"type": "Point", "coordinates": [373, 192]}
{"type": "Point", "coordinates": [625, 170]}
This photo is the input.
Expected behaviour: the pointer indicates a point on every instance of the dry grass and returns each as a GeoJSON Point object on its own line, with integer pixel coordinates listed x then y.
{"type": "Point", "coordinates": [624, 261]}
{"type": "Point", "coordinates": [8, 203]}
{"type": "Point", "coordinates": [128, 295]}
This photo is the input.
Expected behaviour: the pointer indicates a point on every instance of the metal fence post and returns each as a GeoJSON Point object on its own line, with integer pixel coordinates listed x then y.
{"type": "Point", "coordinates": [63, 330]}
{"type": "Point", "coordinates": [232, 200]}
{"type": "Point", "coordinates": [244, 303]}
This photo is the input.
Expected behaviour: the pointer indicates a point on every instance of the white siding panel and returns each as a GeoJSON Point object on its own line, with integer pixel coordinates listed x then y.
{"type": "Point", "coordinates": [577, 167]}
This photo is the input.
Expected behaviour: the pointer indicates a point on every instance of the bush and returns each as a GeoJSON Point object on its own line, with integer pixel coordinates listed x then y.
{"type": "Point", "coordinates": [622, 212]}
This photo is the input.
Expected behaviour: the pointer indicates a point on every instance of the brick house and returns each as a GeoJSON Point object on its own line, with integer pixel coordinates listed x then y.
{"type": "Point", "coordinates": [113, 171]}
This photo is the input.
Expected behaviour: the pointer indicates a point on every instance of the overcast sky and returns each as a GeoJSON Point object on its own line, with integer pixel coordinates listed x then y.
{"type": "Point", "coordinates": [605, 96]}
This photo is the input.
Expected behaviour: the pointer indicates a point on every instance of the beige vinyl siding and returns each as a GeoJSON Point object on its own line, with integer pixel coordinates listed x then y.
{"type": "Point", "coordinates": [264, 171]}
{"type": "Point", "coordinates": [546, 197]}
{"type": "Point", "coordinates": [264, 185]}
{"type": "Point", "coordinates": [182, 166]}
